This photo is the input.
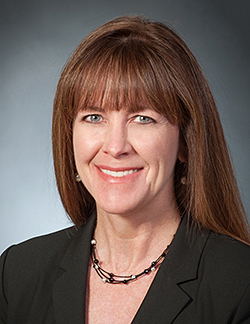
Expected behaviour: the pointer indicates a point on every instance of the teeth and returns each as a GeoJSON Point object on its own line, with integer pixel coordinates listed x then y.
{"type": "Point", "coordinates": [118, 174]}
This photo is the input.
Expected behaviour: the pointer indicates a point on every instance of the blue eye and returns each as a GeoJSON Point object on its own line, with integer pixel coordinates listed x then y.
{"type": "Point", "coordinates": [144, 119]}
{"type": "Point", "coordinates": [95, 118]}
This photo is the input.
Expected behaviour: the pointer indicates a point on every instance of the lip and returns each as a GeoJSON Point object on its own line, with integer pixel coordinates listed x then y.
{"type": "Point", "coordinates": [107, 176]}
{"type": "Point", "coordinates": [105, 167]}
{"type": "Point", "coordinates": [119, 174]}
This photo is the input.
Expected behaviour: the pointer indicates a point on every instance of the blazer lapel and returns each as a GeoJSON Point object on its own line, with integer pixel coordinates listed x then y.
{"type": "Point", "coordinates": [163, 303]}
{"type": "Point", "coordinates": [69, 290]}
{"type": "Point", "coordinates": [166, 298]}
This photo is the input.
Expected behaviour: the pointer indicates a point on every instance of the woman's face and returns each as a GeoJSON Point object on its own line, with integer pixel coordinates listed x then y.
{"type": "Point", "coordinates": [126, 160]}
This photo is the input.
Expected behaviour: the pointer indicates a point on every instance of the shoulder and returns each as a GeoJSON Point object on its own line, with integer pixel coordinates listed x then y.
{"type": "Point", "coordinates": [43, 252]}
{"type": "Point", "coordinates": [215, 273]}
{"type": "Point", "coordinates": [45, 245]}
{"type": "Point", "coordinates": [24, 265]}
{"type": "Point", "coordinates": [225, 263]}
{"type": "Point", "coordinates": [213, 248]}
{"type": "Point", "coordinates": [224, 249]}
{"type": "Point", "coordinates": [47, 250]}
{"type": "Point", "coordinates": [31, 268]}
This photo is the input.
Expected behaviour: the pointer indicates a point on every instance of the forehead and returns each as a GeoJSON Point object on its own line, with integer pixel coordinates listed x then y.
{"type": "Point", "coordinates": [124, 81]}
{"type": "Point", "coordinates": [107, 95]}
{"type": "Point", "coordinates": [101, 105]}
{"type": "Point", "coordinates": [116, 99]}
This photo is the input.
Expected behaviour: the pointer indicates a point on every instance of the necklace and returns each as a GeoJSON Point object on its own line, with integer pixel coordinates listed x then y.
{"type": "Point", "coordinates": [109, 277]}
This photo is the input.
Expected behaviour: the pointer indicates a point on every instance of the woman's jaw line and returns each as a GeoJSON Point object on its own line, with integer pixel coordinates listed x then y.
{"type": "Point", "coordinates": [130, 225]}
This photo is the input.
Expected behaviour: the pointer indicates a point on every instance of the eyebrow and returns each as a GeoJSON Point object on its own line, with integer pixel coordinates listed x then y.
{"type": "Point", "coordinates": [102, 110]}
{"type": "Point", "coordinates": [93, 108]}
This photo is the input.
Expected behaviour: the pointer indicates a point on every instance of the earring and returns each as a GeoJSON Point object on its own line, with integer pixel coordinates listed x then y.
{"type": "Point", "coordinates": [183, 180]}
{"type": "Point", "coordinates": [78, 179]}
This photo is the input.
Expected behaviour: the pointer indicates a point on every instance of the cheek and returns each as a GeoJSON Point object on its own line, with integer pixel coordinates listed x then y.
{"type": "Point", "coordinates": [162, 148]}
{"type": "Point", "coordinates": [169, 151]}
{"type": "Point", "coordinates": [84, 146]}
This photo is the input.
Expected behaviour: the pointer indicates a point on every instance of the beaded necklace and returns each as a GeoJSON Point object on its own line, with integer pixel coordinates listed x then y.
{"type": "Point", "coordinates": [109, 277]}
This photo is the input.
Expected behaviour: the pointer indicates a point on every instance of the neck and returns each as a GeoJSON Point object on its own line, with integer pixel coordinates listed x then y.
{"type": "Point", "coordinates": [128, 243]}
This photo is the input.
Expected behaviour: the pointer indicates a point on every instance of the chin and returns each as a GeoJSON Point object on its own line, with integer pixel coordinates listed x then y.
{"type": "Point", "coordinates": [118, 208]}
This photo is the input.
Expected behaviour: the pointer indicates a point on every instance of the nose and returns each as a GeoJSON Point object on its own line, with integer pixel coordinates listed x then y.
{"type": "Point", "coordinates": [116, 142]}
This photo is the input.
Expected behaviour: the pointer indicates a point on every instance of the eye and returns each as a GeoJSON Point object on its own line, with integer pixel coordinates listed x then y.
{"type": "Point", "coordinates": [94, 118]}
{"type": "Point", "coordinates": [144, 119]}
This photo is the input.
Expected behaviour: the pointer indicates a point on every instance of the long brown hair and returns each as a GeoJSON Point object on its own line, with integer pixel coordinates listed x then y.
{"type": "Point", "coordinates": [125, 63]}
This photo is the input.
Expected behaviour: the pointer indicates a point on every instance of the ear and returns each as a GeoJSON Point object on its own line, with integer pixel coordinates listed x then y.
{"type": "Point", "coordinates": [182, 157]}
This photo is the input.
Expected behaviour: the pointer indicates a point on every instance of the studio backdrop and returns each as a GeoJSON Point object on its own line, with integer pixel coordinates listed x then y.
{"type": "Point", "coordinates": [36, 39]}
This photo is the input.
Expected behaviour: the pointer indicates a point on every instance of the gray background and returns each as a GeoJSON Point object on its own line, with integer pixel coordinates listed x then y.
{"type": "Point", "coordinates": [36, 39]}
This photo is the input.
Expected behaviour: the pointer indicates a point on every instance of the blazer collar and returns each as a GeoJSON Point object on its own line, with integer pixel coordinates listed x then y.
{"type": "Point", "coordinates": [165, 298]}
{"type": "Point", "coordinates": [69, 291]}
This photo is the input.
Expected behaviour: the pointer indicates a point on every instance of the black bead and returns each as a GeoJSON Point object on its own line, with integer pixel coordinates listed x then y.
{"type": "Point", "coordinates": [125, 282]}
{"type": "Point", "coordinates": [163, 254]}
{"type": "Point", "coordinates": [111, 279]}
{"type": "Point", "coordinates": [111, 275]}
{"type": "Point", "coordinates": [153, 264]}
{"type": "Point", "coordinates": [96, 261]}
{"type": "Point", "coordinates": [146, 271]}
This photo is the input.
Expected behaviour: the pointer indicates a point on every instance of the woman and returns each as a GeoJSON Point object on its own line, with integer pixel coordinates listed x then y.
{"type": "Point", "coordinates": [143, 171]}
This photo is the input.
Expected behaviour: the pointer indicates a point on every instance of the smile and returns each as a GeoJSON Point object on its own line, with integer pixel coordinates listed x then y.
{"type": "Point", "coordinates": [118, 174]}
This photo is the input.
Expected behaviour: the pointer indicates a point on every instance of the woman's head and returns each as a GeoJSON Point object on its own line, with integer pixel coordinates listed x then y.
{"type": "Point", "coordinates": [132, 62]}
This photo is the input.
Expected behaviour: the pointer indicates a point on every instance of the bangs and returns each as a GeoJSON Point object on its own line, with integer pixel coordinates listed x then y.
{"type": "Point", "coordinates": [126, 76]}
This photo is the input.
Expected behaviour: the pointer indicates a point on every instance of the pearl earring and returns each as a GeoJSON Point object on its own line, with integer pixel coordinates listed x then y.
{"type": "Point", "coordinates": [183, 180]}
{"type": "Point", "coordinates": [78, 179]}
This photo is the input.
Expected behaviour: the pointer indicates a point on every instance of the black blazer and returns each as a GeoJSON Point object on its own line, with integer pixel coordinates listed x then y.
{"type": "Point", "coordinates": [205, 278]}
